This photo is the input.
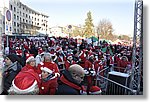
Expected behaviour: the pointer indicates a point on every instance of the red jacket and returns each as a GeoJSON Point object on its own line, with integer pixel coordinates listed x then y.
{"type": "Point", "coordinates": [122, 63]}
{"type": "Point", "coordinates": [68, 64]}
{"type": "Point", "coordinates": [27, 67]}
{"type": "Point", "coordinates": [88, 64]}
{"type": "Point", "coordinates": [48, 87]}
{"type": "Point", "coordinates": [82, 57]}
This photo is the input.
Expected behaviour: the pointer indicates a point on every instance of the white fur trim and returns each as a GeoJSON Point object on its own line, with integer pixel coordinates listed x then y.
{"type": "Point", "coordinates": [41, 63]}
{"type": "Point", "coordinates": [94, 93]}
{"type": "Point", "coordinates": [80, 53]}
{"type": "Point", "coordinates": [47, 70]}
{"type": "Point", "coordinates": [30, 89]}
{"type": "Point", "coordinates": [31, 57]}
{"type": "Point", "coordinates": [57, 74]}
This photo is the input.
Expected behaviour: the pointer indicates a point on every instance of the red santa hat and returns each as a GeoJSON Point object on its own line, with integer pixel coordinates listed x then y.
{"type": "Point", "coordinates": [58, 49]}
{"type": "Point", "coordinates": [19, 52]}
{"type": "Point", "coordinates": [40, 50]}
{"type": "Point", "coordinates": [47, 70]}
{"type": "Point", "coordinates": [91, 54]}
{"type": "Point", "coordinates": [29, 57]}
{"type": "Point", "coordinates": [94, 90]}
{"type": "Point", "coordinates": [26, 82]}
{"type": "Point", "coordinates": [70, 55]}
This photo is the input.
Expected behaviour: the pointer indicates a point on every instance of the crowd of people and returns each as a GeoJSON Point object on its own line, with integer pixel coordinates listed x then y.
{"type": "Point", "coordinates": [59, 66]}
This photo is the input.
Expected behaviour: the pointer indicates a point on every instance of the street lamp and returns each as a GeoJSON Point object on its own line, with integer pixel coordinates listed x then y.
{"type": "Point", "coordinates": [70, 26]}
{"type": "Point", "coordinates": [98, 32]}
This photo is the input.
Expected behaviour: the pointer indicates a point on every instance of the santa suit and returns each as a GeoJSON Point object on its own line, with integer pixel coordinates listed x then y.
{"type": "Point", "coordinates": [122, 64]}
{"type": "Point", "coordinates": [116, 59]}
{"type": "Point", "coordinates": [51, 65]}
{"type": "Point", "coordinates": [89, 65]}
{"type": "Point", "coordinates": [27, 67]}
{"type": "Point", "coordinates": [68, 64]}
{"type": "Point", "coordinates": [98, 66]}
{"type": "Point", "coordinates": [82, 57]}
{"type": "Point", "coordinates": [60, 62]}
{"type": "Point", "coordinates": [111, 60]}
{"type": "Point", "coordinates": [48, 87]}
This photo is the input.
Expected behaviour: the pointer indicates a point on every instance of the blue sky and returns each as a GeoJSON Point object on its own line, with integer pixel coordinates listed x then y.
{"type": "Point", "coordinates": [63, 12]}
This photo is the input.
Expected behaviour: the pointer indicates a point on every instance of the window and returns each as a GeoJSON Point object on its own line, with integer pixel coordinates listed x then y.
{"type": "Point", "coordinates": [20, 19]}
{"type": "Point", "coordinates": [14, 23]}
{"type": "Point", "coordinates": [11, 8]}
{"type": "Point", "coordinates": [23, 14]}
{"type": "Point", "coordinates": [17, 17]}
{"type": "Point", "coordinates": [14, 9]}
{"type": "Point", "coordinates": [23, 20]}
{"type": "Point", "coordinates": [20, 13]}
{"type": "Point", "coordinates": [26, 15]}
{"type": "Point", "coordinates": [14, 30]}
{"type": "Point", "coordinates": [38, 19]}
{"type": "Point", "coordinates": [20, 5]}
{"type": "Point", "coordinates": [26, 21]}
{"type": "Point", "coordinates": [37, 23]}
{"type": "Point", "coordinates": [14, 16]}
{"type": "Point", "coordinates": [17, 24]}
{"type": "Point", "coordinates": [29, 17]}
{"type": "Point", "coordinates": [17, 30]}
{"type": "Point", "coordinates": [35, 19]}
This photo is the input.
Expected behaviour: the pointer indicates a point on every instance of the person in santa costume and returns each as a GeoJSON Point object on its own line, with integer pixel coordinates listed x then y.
{"type": "Point", "coordinates": [69, 61]}
{"type": "Point", "coordinates": [123, 63]}
{"type": "Point", "coordinates": [48, 62]}
{"type": "Point", "coordinates": [27, 82]}
{"type": "Point", "coordinates": [82, 58]}
{"type": "Point", "coordinates": [90, 71]}
{"type": "Point", "coordinates": [39, 58]}
{"type": "Point", "coordinates": [61, 58]}
{"type": "Point", "coordinates": [70, 81]}
{"type": "Point", "coordinates": [48, 82]}
{"type": "Point", "coordinates": [30, 62]}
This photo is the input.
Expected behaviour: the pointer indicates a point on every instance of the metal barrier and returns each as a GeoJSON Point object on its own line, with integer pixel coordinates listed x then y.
{"type": "Point", "coordinates": [110, 87]}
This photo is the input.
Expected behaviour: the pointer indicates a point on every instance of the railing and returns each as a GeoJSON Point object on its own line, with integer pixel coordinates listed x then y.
{"type": "Point", "coordinates": [111, 87]}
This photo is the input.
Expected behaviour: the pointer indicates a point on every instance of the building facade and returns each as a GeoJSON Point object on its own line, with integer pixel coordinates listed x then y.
{"type": "Point", "coordinates": [57, 31]}
{"type": "Point", "coordinates": [26, 20]}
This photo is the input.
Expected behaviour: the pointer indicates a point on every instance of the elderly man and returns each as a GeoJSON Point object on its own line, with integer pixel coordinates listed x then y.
{"type": "Point", "coordinates": [70, 81]}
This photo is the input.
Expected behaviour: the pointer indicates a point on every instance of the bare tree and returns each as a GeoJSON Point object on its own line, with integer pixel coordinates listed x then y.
{"type": "Point", "coordinates": [105, 28]}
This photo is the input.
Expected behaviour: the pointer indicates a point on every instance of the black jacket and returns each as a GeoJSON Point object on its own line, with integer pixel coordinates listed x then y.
{"type": "Point", "coordinates": [9, 74]}
{"type": "Point", "coordinates": [67, 85]}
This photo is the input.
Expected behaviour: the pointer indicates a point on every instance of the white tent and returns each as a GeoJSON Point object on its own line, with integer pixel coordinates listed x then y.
{"type": "Point", "coordinates": [117, 42]}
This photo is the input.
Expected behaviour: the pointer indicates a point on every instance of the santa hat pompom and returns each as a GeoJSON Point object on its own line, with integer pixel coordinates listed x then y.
{"type": "Point", "coordinates": [29, 57]}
